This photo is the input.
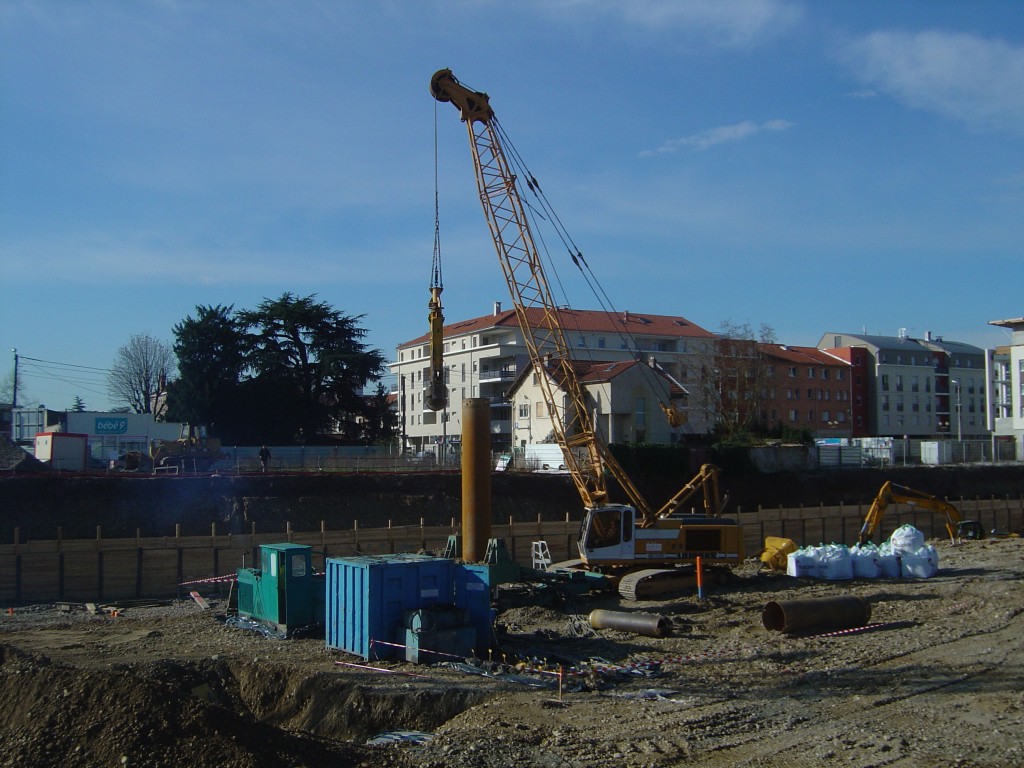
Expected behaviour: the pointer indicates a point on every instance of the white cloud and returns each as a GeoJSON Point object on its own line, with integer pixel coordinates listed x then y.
{"type": "Point", "coordinates": [721, 135]}
{"type": "Point", "coordinates": [725, 23]}
{"type": "Point", "coordinates": [964, 77]}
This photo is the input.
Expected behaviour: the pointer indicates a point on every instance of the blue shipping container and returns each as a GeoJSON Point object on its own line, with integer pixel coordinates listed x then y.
{"type": "Point", "coordinates": [367, 598]}
{"type": "Point", "coordinates": [473, 593]}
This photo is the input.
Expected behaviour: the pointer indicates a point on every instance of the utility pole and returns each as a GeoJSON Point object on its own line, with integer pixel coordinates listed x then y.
{"type": "Point", "coordinates": [14, 398]}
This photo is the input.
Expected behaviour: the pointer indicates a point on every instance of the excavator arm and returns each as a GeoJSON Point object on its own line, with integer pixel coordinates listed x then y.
{"type": "Point", "coordinates": [891, 493]}
{"type": "Point", "coordinates": [532, 299]}
{"type": "Point", "coordinates": [705, 481]}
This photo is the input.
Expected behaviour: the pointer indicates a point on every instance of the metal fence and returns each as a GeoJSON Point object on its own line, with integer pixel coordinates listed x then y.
{"type": "Point", "coordinates": [886, 452]}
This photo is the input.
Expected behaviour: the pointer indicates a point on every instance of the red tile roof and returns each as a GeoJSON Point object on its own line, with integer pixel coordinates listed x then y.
{"type": "Point", "coordinates": [582, 320]}
{"type": "Point", "coordinates": [800, 355]}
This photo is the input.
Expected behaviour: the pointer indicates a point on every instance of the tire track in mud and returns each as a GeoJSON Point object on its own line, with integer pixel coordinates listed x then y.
{"type": "Point", "coordinates": [869, 726]}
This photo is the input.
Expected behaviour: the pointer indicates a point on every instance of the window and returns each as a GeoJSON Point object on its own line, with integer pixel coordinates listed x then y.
{"type": "Point", "coordinates": [810, 373]}
{"type": "Point", "coordinates": [792, 371]}
{"type": "Point", "coordinates": [885, 402]}
{"type": "Point", "coordinates": [824, 373]}
{"type": "Point", "coordinates": [914, 384]}
{"type": "Point", "coordinates": [885, 382]}
{"type": "Point", "coordinates": [792, 415]}
{"type": "Point", "coordinates": [640, 413]}
{"type": "Point", "coordinates": [601, 342]}
{"type": "Point", "coordinates": [840, 375]}
{"type": "Point", "coordinates": [899, 382]}
{"type": "Point", "coordinates": [524, 410]}
{"type": "Point", "coordinates": [825, 417]}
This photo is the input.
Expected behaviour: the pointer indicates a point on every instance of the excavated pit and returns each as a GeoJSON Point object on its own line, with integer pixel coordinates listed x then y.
{"type": "Point", "coordinates": [208, 712]}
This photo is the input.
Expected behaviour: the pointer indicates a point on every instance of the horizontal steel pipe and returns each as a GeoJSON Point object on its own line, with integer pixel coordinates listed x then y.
{"type": "Point", "coordinates": [820, 613]}
{"type": "Point", "coordinates": [646, 624]}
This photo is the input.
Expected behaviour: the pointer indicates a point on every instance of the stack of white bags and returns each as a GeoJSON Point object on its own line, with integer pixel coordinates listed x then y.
{"type": "Point", "coordinates": [904, 555]}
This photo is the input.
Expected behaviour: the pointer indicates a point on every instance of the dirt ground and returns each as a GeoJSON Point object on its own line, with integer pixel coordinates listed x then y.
{"type": "Point", "coordinates": [936, 679]}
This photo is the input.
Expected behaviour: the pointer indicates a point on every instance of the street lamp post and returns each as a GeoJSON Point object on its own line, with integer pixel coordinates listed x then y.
{"type": "Point", "coordinates": [959, 420]}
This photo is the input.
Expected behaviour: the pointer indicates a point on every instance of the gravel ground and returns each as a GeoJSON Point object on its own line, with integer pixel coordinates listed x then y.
{"type": "Point", "coordinates": [936, 679]}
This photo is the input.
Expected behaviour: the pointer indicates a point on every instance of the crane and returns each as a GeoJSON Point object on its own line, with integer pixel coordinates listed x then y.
{"type": "Point", "coordinates": [637, 544]}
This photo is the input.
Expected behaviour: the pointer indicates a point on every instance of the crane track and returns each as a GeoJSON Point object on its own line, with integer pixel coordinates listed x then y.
{"type": "Point", "coordinates": [653, 583]}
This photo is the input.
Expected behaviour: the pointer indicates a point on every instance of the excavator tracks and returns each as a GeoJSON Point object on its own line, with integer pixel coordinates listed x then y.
{"type": "Point", "coordinates": [655, 583]}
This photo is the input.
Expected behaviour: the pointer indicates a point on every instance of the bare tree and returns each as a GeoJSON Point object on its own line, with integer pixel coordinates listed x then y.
{"type": "Point", "coordinates": [7, 388]}
{"type": "Point", "coordinates": [138, 378]}
{"type": "Point", "coordinates": [735, 383]}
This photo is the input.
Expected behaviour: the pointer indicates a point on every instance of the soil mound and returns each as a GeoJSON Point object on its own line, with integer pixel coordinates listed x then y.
{"type": "Point", "coordinates": [17, 459]}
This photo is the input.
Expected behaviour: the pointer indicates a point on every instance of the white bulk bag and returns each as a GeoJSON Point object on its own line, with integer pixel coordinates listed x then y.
{"type": "Point", "coordinates": [922, 564]}
{"type": "Point", "coordinates": [888, 562]}
{"type": "Point", "coordinates": [803, 563]}
{"type": "Point", "coordinates": [866, 561]}
{"type": "Point", "coordinates": [836, 563]}
{"type": "Point", "coordinates": [906, 538]}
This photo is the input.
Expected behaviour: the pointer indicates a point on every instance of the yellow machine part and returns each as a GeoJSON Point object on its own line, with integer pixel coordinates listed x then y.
{"type": "Point", "coordinates": [776, 552]}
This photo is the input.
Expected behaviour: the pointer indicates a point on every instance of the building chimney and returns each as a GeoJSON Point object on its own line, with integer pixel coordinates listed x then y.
{"type": "Point", "coordinates": [625, 316]}
{"type": "Point", "coordinates": [927, 335]}
{"type": "Point", "coordinates": [497, 308]}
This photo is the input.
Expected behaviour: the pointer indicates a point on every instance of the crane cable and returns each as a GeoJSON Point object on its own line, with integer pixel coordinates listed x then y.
{"type": "Point", "coordinates": [547, 213]}
{"type": "Point", "coordinates": [435, 271]}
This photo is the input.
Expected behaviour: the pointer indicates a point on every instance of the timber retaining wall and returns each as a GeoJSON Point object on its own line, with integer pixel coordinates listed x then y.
{"type": "Point", "coordinates": [35, 570]}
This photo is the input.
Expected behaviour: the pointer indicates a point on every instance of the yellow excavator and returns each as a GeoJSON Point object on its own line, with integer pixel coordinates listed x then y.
{"type": "Point", "coordinates": [891, 493]}
{"type": "Point", "coordinates": [639, 546]}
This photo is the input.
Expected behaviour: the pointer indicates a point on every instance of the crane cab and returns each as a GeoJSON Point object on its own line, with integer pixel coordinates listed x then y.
{"type": "Point", "coordinates": [607, 533]}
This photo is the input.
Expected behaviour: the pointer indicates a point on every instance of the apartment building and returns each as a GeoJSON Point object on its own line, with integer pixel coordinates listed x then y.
{"type": "Point", "coordinates": [1007, 386]}
{"type": "Point", "coordinates": [807, 389]}
{"type": "Point", "coordinates": [483, 355]}
{"type": "Point", "coordinates": [927, 388]}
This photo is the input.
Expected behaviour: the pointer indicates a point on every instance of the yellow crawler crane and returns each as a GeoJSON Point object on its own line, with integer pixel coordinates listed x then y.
{"type": "Point", "coordinates": [642, 547]}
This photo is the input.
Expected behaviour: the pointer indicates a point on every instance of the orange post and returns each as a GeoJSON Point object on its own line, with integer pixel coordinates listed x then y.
{"type": "Point", "coordinates": [700, 580]}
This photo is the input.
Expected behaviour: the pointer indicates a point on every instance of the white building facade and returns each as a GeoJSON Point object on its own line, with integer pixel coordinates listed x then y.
{"type": "Point", "coordinates": [483, 355]}
{"type": "Point", "coordinates": [1007, 386]}
{"type": "Point", "coordinates": [926, 388]}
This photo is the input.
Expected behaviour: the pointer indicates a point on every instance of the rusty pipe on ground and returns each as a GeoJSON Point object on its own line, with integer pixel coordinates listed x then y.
{"type": "Point", "coordinates": [817, 613]}
{"type": "Point", "coordinates": [647, 624]}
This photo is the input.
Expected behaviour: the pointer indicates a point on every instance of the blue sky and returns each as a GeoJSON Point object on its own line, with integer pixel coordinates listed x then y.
{"type": "Point", "coordinates": [812, 166]}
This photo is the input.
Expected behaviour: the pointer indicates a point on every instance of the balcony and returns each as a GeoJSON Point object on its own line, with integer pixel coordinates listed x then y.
{"type": "Point", "coordinates": [494, 376]}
